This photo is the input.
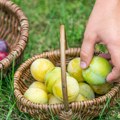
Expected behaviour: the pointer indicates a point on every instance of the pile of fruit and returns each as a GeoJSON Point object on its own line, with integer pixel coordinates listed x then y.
{"type": "Point", "coordinates": [81, 84]}
{"type": "Point", "coordinates": [3, 49]}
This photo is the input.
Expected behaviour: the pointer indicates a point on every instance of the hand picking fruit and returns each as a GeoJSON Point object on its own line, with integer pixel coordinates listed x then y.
{"type": "Point", "coordinates": [103, 27]}
{"type": "Point", "coordinates": [97, 71]}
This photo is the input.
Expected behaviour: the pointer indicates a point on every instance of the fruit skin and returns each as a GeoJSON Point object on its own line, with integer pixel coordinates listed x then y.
{"type": "Point", "coordinates": [72, 88]}
{"type": "Point", "coordinates": [40, 67]}
{"type": "Point", "coordinates": [97, 71]}
{"type": "Point", "coordinates": [53, 100]}
{"type": "Point", "coordinates": [51, 77]}
{"type": "Point", "coordinates": [75, 70]}
{"type": "Point", "coordinates": [39, 85]}
{"type": "Point", "coordinates": [3, 46]}
{"type": "Point", "coordinates": [86, 91]}
{"type": "Point", "coordinates": [36, 95]}
{"type": "Point", "coordinates": [80, 98]}
{"type": "Point", "coordinates": [3, 55]}
{"type": "Point", "coordinates": [102, 89]}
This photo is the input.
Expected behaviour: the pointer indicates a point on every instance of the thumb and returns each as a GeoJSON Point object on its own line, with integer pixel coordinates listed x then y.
{"type": "Point", "coordinates": [87, 51]}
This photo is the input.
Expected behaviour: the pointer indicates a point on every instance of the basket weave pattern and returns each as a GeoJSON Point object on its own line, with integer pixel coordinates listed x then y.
{"type": "Point", "coordinates": [78, 110]}
{"type": "Point", "coordinates": [13, 29]}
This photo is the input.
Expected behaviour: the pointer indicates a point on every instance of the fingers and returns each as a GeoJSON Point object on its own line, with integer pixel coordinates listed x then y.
{"type": "Point", "coordinates": [115, 81]}
{"type": "Point", "coordinates": [87, 51]}
{"type": "Point", "coordinates": [114, 75]}
{"type": "Point", "coordinates": [115, 58]}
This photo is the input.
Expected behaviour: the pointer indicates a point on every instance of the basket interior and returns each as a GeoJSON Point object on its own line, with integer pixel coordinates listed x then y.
{"type": "Point", "coordinates": [9, 26]}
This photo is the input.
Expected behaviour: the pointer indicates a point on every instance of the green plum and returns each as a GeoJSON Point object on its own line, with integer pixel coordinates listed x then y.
{"type": "Point", "coordinates": [97, 71]}
{"type": "Point", "coordinates": [51, 77]}
{"type": "Point", "coordinates": [102, 89]}
{"type": "Point", "coordinates": [86, 91]}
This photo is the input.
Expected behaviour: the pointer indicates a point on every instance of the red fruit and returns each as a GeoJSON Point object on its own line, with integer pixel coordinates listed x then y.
{"type": "Point", "coordinates": [3, 46]}
{"type": "Point", "coordinates": [3, 55]}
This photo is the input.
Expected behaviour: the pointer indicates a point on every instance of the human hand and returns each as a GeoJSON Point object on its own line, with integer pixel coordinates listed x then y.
{"type": "Point", "coordinates": [103, 26]}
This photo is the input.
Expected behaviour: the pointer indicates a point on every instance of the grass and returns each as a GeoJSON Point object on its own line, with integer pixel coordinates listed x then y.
{"type": "Point", "coordinates": [45, 17]}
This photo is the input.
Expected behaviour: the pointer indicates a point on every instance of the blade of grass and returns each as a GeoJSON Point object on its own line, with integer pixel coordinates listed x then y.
{"type": "Point", "coordinates": [103, 110]}
{"type": "Point", "coordinates": [10, 111]}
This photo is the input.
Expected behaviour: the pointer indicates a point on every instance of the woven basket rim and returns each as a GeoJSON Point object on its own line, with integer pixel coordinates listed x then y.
{"type": "Point", "coordinates": [20, 97]}
{"type": "Point", "coordinates": [17, 51]}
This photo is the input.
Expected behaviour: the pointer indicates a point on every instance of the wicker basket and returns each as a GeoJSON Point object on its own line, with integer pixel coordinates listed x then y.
{"type": "Point", "coordinates": [76, 110]}
{"type": "Point", "coordinates": [13, 29]}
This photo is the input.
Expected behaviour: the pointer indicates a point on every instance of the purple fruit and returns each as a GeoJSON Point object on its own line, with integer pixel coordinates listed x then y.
{"type": "Point", "coordinates": [3, 55]}
{"type": "Point", "coordinates": [3, 46]}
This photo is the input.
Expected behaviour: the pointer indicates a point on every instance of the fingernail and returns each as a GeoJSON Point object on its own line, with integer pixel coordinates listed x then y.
{"type": "Point", "coordinates": [83, 65]}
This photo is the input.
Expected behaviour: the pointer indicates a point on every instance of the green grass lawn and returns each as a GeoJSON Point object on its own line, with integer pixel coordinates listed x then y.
{"type": "Point", "coordinates": [45, 17]}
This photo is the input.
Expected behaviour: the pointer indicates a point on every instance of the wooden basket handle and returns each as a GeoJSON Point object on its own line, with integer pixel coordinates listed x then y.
{"type": "Point", "coordinates": [63, 47]}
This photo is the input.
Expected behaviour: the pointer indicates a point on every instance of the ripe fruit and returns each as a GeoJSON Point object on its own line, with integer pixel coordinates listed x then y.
{"type": "Point", "coordinates": [40, 67]}
{"type": "Point", "coordinates": [3, 55]}
{"type": "Point", "coordinates": [40, 85]}
{"type": "Point", "coordinates": [3, 46]}
{"type": "Point", "coordinates": [72, 88]}
{"type": "Point", "coordinates": [80, 98]}
{"type": "Point", "coordinates": [36, 95]}
{"type": "Point", "coordinates": [51, 77]}
{"type": "Point", "coordinates": [54, 100]}
{"type": "Point", "coordinates": [86, 91]}
{"type": "Point", "coordinates": [102, 89]}
{"type": "Point", "coordinates": [97, 72]}
{"type": "Point", "coordinates": [75, 70]}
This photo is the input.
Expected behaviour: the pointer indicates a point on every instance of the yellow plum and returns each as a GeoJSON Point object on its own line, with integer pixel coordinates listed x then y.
{"type": "Point", "coordinates": [75, 70]}
{"type": "Point", "coordinates": [51, 77]}
{"type": "Point", "coordinates": [54, 100]}
{"type": "Point", "coordinates": [80, 98]}
{"type": "Point", "coordinates": [40, 67]}
{"type": "Point", "coordinates": [72, 88]}
{"type": "Point", "coordinates": [36, 95]}
{"type": "Point", "coordinates": [37, 84]}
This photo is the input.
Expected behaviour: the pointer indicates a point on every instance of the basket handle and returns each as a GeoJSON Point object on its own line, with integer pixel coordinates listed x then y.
{"type": "Point", "coordinates": [63, 47]}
